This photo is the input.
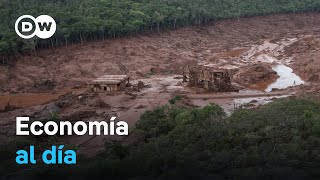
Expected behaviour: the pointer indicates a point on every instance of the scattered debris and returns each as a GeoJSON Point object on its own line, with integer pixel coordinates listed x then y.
{"type": "Point", "coordinates": [157, 70]}
{"type": "Point", "coordinates": [140, 85]}
{"type": "Point", "coordinates": [45, 84]}
{"type": "Point", "coordinates": [100, 103]}
{"type": "Point", "coordinates": [9, 107]}
{"type": "Point", "coordinates": [79, 115]}
{"type": "Point", "coordinates": [140, 107]}
{"type": "Point", "coordinates": [48, 110]}
{"type": "Point", "coordinates": [65, 101]}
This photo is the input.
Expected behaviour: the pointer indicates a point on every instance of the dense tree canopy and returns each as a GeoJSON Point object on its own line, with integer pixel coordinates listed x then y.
{"type": "Point", "coordinates": [89, 20]}
{"type": "Point", "coordinates": [276, 141]}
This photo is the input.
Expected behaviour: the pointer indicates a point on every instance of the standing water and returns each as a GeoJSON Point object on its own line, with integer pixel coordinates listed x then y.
{"type": "Point", "coordinates": [287, 78]}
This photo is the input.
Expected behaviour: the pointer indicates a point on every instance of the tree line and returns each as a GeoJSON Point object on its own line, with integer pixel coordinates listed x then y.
{"type": "Point", "coordinates": [89, 20]}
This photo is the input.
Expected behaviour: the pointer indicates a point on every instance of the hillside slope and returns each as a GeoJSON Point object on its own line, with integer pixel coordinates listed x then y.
{"type": "Point", "coordinates": [165, 52]}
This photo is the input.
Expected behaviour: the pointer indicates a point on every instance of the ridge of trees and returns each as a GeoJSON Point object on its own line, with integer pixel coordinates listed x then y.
{"type": "Point", "coordinates": [90, 20]}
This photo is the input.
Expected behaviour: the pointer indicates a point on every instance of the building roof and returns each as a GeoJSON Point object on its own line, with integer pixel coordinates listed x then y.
{"type": "Point", "coordinates": [110, 79]}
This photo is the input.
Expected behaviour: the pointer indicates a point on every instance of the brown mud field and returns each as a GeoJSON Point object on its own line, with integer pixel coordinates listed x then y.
{"type": "Point", "coordinates": [272, 57]}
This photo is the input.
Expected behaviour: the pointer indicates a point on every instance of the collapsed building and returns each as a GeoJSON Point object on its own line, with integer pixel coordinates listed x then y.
{"type": "Point", "coordinates": [215, 80]}
{"type": "Point", "coordinates": [109, 83]}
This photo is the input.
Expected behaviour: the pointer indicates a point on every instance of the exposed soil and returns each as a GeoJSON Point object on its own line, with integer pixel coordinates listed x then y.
{"type": "Point", "coordinates": [306, 55]}
{"type": "Point", "coordinates": [258, 76]}
{"type": "Point", "coordinates": [25, 100]}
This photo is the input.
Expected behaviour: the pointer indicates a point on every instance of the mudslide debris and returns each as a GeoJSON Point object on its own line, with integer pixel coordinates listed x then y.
{"type": "Point", "coordinates": [214, 80]}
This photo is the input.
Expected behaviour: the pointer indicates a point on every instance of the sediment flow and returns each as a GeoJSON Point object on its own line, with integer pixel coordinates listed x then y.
{"type": "Point", "coordinates": [272, 57]}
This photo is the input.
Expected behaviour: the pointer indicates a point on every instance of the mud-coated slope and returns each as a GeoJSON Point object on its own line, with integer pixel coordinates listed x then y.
{"type": "Point", "coordinates": [306, 53]}
{"type": "Point", "coordinates": [76, 64]}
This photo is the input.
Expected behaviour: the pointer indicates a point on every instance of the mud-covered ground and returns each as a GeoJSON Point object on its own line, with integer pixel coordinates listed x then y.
{"type": "Point", "coordinates": [272, 57]}
{"type": "Point", "coordinates": [166, 51]}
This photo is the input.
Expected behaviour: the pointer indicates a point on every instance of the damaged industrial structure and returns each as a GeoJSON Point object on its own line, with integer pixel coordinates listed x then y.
{"type": "Point", "coordinates": [109, 83]}
{"type": "Point", "coordinates": [209, 78]}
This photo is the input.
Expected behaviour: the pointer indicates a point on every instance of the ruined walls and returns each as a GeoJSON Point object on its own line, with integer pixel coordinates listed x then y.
{"type": "Point", "coordinates": [209, 78]}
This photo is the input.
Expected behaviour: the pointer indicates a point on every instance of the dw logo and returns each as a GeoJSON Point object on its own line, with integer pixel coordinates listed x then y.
{"type": "Point", "coordinates": [43, 26]}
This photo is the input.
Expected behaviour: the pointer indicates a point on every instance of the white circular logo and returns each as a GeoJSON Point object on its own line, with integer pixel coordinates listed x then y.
{"type": "Point", "coordinates": [43, 26]}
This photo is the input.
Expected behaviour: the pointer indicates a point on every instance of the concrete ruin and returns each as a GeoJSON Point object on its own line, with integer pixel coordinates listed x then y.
{"type": "Point", "coordinates": [215, 80]}
{"type": "Point", "coordinates": [109, 83]}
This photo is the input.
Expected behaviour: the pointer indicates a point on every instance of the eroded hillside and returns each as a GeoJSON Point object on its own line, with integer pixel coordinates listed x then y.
{"type": "Point", "coordinates": [165, 52]}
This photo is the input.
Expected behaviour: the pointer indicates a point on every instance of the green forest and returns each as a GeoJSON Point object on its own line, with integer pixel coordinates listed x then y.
{"type": "Point", "coordinates": [276, 141]}
{"type": "Point", "coordinates": [79, 21]}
